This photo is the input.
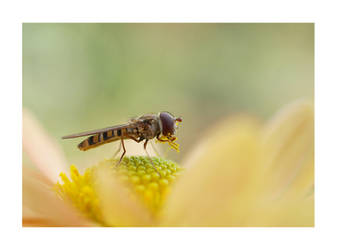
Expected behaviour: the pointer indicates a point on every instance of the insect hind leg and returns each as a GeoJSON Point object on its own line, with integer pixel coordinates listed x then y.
{"type": "Point", "coordinates": [148, 155]}
{"type": "Point", "coordinates": [124, 151]}
{"type": "Point", "coordinates": [118, 150]}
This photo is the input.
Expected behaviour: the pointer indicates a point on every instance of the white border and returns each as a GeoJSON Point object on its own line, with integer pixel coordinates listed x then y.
{"type": "Point", "coordinates": [16, 12]}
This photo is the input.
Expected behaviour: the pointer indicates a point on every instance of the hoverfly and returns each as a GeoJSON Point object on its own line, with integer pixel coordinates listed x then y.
{"type": "Point", "coordinates": [161, 126]}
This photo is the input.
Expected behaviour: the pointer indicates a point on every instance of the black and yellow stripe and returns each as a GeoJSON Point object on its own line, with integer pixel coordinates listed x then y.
{"type": "Point", "coordinates": [104, 137]}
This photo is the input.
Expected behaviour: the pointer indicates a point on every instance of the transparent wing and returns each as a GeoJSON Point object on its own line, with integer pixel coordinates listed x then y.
{"type": "Point", "coordinates": [97, 131]}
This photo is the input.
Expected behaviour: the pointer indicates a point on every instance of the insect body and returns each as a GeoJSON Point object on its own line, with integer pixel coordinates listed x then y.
{"type": "Point", "coordinates": [161, 126]}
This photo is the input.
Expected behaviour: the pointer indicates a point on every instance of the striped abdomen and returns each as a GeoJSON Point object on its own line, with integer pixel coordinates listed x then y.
{"type": "Point", "coordinates": [106, 137]}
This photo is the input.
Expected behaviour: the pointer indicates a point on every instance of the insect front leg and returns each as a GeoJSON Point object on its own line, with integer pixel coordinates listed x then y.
{"type": "Point", "coordinates": [159, 139]}
{"type": "Point", "coordinates": [155, 149]}
{"type": "Point", "coordinates": [171, 139]}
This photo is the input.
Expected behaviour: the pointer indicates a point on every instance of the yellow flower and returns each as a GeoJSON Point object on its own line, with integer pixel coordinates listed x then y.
{"type": "Point", "coordinates": [242, 173]}
{"type": "Point", "coordinates": [141, 180]}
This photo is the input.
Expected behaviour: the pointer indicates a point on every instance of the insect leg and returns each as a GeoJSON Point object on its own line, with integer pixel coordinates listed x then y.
{"type": "Point", "coordinates": [171, 139]}
{"type": "Point", "coordinates": [145, 144]}
{"type": "Point", "coordinates": [160, 139]}
{"type": "Point", "coordinates": [118, 150]}
{"type": "Point", "coordinates": [155, 149]}
{"type": "Point", "coordinates": [135, 139]}
{"type": "Point", "coordinates": [120, 160]}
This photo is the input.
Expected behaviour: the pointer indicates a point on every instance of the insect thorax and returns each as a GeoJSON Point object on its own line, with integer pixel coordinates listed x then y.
{"type": "Point", "coordinates": [149, 127]}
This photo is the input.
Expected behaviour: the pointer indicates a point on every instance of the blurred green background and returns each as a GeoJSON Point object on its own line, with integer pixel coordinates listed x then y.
{"type": "Point", "coordinates": [78, 77]}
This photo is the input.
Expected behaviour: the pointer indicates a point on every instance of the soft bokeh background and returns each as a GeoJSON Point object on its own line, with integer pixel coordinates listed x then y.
{"type": "Point", "coordinates": [78, 77]}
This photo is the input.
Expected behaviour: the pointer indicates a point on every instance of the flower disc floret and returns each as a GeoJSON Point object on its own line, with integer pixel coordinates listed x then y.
{"type": "Point", "coordinates": [148, 179]}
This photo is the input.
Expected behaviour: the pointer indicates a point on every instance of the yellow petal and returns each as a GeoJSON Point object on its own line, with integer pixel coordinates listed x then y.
{"type": "Point", "coordinates": [222, 178]}
{"type": "Point", "coordinates": [284, 212]}
{"type": "Point", "coordinates": [289, 151]}
{"type": "Point", "coordinates": [42, 150]}
{"type": "Point", "coordinates": [119, 207]}
{"type": "Point", "coordinates": [41, 206]}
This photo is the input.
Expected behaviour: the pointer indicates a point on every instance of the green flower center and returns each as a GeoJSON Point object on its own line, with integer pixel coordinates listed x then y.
{"type": "Point", "coordinates": [149, 179]}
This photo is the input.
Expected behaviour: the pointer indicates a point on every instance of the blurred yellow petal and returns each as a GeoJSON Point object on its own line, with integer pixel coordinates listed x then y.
{"type": "Point", "coordinates": [221, 179]}
{"type": "Point", "coordinates": [45, 154]}
{"type": "Point", "coordinates": [285, 212]}
{"type": "Point", "coordinates": [41, 206]}
{"type": "Point", "coordinates": [289, 150]}
{"type": "Point", "coordinates": [119, 207]}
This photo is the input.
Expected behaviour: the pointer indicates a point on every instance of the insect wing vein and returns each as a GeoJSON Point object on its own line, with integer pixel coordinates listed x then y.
{"type": "Point", "coordinates": [97, 131]}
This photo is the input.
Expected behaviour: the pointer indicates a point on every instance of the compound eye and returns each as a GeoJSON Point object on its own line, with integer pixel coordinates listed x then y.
{"type": "Point", "coordinates": [168, 123]}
